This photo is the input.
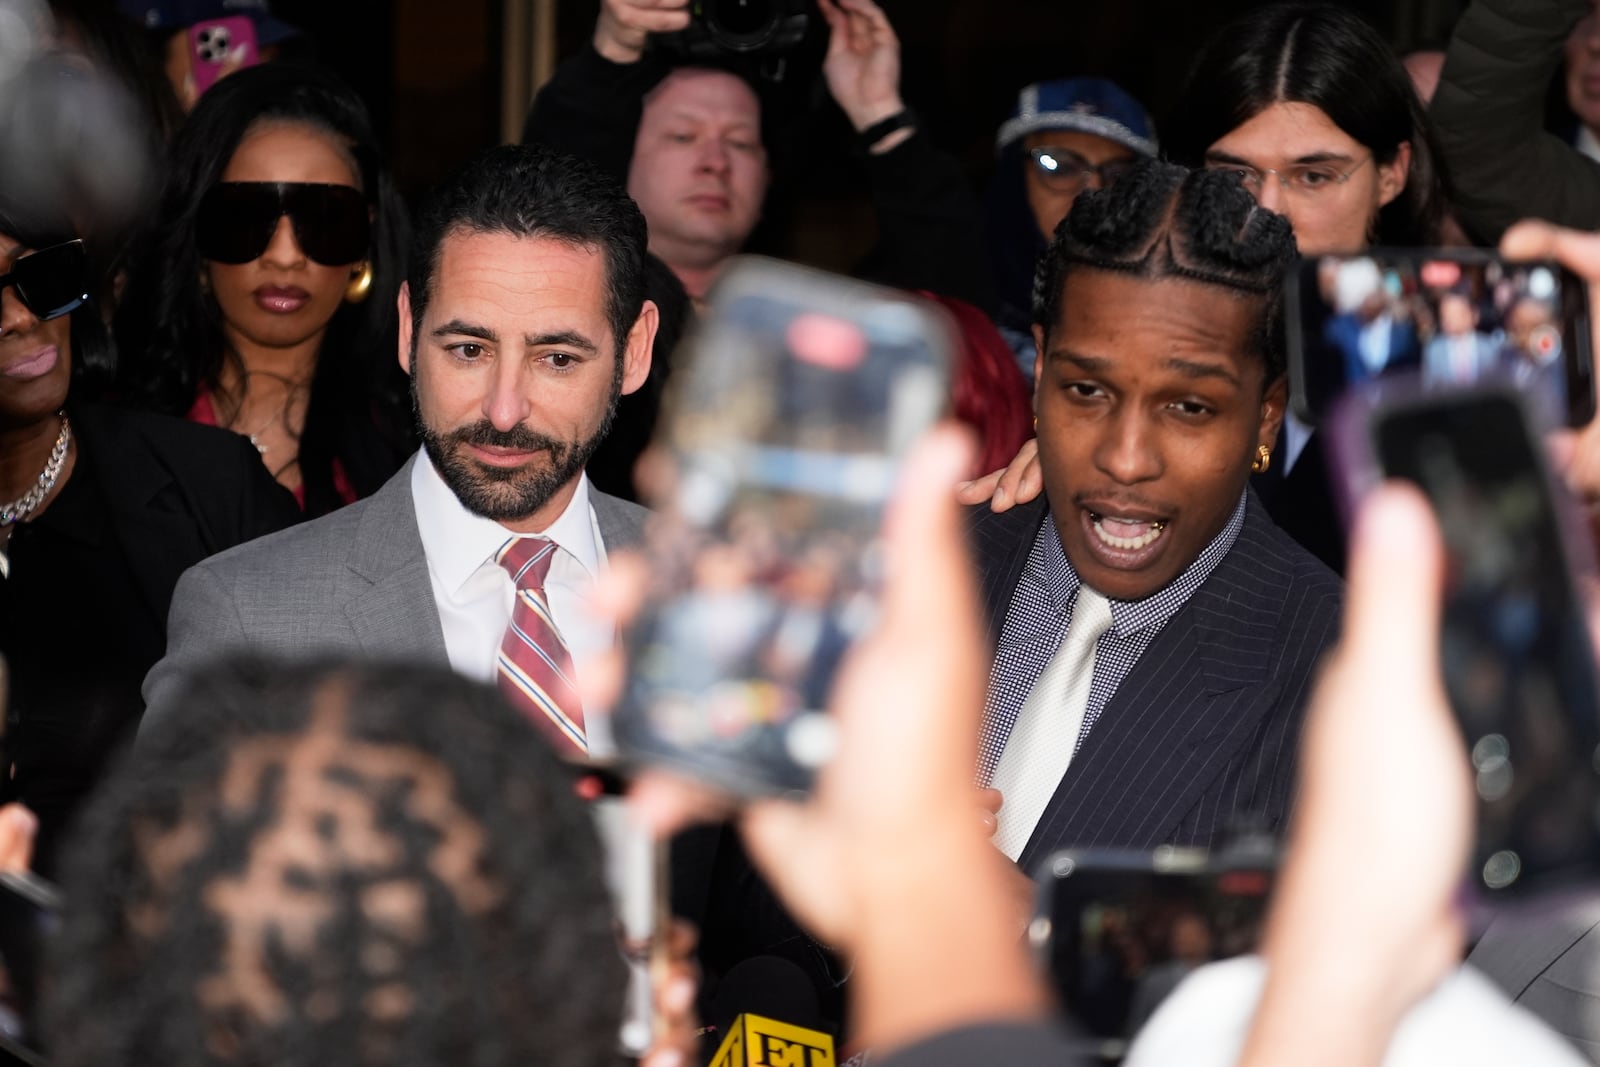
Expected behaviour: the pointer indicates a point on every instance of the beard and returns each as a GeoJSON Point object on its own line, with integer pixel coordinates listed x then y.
{"type": "Point", "coordinates": [509, 494]}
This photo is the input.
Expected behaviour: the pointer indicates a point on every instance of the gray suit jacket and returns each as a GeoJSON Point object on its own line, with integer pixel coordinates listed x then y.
{"type": "Point", "coordinates": [1547, 959]}
{"type": "Point", "coordinates": [352, 583]}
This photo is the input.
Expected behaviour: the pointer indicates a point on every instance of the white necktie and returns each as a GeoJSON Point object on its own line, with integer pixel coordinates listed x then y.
{"type": "Point", "coordinates": [1041, 744]}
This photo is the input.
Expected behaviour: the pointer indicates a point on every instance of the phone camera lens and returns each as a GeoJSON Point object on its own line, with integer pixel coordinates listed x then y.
{"type": "Point", "coordinates": [1501, 869]}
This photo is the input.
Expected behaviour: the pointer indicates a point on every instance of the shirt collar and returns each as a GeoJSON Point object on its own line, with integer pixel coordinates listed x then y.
{"type": "Point", "coordinates": [1048, 567]}
{"type": "Point", "coordinates": [458, 542]}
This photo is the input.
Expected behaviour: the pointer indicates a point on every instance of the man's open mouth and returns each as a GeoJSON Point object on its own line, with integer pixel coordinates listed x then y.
{"type": "Point", "coordinates": [1124, 533]}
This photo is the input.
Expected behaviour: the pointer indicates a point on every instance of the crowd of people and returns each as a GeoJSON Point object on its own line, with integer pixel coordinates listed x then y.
{"type": "Point", "coordinates": [358, 482]}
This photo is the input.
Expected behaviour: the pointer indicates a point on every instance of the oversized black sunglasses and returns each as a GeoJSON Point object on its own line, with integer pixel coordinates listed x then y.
{"type": "Point", "coordinates": [237, 220]}
{"type": "Point", "coordinates": [52, 281]}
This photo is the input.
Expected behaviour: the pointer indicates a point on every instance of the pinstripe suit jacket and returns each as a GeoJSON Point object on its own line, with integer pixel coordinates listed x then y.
{"type": "Point", "coordinates": [1203, 732]}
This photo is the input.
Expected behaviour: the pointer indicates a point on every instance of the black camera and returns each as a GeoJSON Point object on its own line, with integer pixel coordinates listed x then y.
{"type": "Point", "coordinates": [743, 27]}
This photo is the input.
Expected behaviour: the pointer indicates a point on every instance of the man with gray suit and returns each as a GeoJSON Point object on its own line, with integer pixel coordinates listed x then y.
{"type": "Point", "coordinates": [521, 324]}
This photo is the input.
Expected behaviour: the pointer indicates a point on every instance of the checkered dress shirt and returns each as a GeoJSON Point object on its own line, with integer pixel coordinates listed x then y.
{"type": "Point", "coordinates": [1036, 624]}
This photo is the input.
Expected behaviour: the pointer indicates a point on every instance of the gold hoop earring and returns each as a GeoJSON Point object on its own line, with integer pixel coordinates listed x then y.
{"type": "Point", "coordinates": [1263, 459]}
{"type": "Point", "coordinates": [360, 284]}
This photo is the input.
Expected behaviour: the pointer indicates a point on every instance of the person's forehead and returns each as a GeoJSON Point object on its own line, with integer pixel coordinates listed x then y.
{"type": "Point", "coordinates": [503, 273]}
{"type": "Point", "coordinates": [1284, 133]}
{"type": "Point", "coordinates": [709, 95]}
{"type": "Point", "coordinates": [1105, 307]}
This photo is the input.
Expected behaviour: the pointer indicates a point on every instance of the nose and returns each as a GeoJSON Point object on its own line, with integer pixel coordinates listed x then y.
{"type": "Point", "coordinates": [506, 404]}
{"type": "Point", "coordinates": [1127, 450]}
{"type": "Point", "coordinates": [714, 156]}
{"type": "Point", "coordinates": [1270, 194]}
{"type": "Point", "coordinates": [283, 250]}
{"type": "Point", "coordinates": [14, 314]}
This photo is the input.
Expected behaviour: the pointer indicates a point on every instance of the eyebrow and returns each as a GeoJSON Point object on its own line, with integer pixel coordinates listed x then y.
{"type": "Point", "coordinates": [1189, 368]}
{"type": "Point", "coordinates": [556, 338]}
{"type": "Point", "coordinates": [1214, 156]}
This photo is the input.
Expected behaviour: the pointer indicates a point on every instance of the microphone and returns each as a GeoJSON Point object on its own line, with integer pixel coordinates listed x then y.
{"type": "Point", "coordinates": [767, 1010]}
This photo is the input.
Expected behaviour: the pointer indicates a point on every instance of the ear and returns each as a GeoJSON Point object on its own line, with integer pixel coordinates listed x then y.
{"type": "Point", "coordinates": [403, 301]}
{"type": "Point", "coordinates": [1273, 405]}
{"type": "Point", "coordinates": [641, 342]}
{"type": "Point", "coordinates": [1392, 175]}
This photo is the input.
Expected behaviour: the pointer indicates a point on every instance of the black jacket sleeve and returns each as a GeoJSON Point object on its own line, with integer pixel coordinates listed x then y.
{"type": "Point", "coordinates": [929, 224]}
{"type": "Point", "coordinates": [590, 109]}
{"type": "Point", "coordinates": [1489, 116]}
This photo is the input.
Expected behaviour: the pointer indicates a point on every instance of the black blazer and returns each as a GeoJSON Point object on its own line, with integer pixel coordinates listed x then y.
{"type": "Point", "coordinates": [1201, 737]}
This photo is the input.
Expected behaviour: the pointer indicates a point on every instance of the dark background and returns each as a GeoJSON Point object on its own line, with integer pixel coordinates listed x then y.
{"type": "Point", "coordinates": [430, 71]}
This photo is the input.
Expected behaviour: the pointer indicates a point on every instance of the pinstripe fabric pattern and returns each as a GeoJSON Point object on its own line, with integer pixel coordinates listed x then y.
{"type": "Point", "coordinates": [534, 667]}
{"type": "Point", "coordinates": [1040, 614]}
{"type": "Point", "coordinates": [1201, 735]}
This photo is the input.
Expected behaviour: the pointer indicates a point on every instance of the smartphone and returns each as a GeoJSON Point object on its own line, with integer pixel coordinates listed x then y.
{"type": "Point", "coordinates": [1116, 931]}
{"type": "Point", "coordinates": [1517, 658]}
{"type": "Point", "coordinates": [1449, 317]}
{"type": "Point", "coordinates": [636, 877]}
{"type": "Point", "coordinates": [781, 439]}
{"type": "Point", "coordinates": [220, 46]}
{"type": "Point", "coordinates": [29, 915]}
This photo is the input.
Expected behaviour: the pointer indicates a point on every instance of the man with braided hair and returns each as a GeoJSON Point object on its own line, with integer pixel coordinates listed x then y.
{"type": "Point", "coordinates": [1155, 632]}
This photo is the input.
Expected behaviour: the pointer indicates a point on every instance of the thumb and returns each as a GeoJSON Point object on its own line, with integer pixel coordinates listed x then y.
{"type": "Point", "coordinates": [1540, 240]}
{"type": "Point", "coordinates": [1396, 579]}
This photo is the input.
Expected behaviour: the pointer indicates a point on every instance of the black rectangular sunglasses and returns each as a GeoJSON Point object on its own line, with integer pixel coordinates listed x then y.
{"type": "Point", "coordinates": [236, 221]}
{"type": "Point", "coordinates": [51, 281]}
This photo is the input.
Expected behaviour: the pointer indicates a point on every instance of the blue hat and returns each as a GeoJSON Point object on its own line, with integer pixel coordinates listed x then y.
{"type": "Point", "coordinates": [1086, 105]}
{"type": "Point", "coordinates": [181, 14]}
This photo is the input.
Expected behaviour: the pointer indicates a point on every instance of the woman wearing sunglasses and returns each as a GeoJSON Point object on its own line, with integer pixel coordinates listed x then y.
{"type": "Point", "coordinates": [265, 302]}
{"type": "Point", "coordinates": [101, 510]}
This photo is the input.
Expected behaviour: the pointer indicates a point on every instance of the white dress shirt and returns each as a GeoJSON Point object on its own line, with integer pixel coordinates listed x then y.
{"type": "Point", "coordinates": [474, 594]}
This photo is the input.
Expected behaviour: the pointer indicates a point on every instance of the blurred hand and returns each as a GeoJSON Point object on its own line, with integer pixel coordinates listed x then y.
{"type": "Point", "coordinates": [862, 66]}
{"type": "Point", "coordinates": [1364, 922]}
{"type": "Point", "coordinates": [18, 828]}
{"type": "Point", "coordinates": [625, 25]}
{"type": "Point", "coordinates": [678, 1044]}
{"type": "Point", "coordinates": [1021, 481]}
{"type": "Point", "coordinates": [1574, 453]}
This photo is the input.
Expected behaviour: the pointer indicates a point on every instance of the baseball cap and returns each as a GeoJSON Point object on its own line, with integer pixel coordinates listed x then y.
{"type": "Point", "coordinates": [180, 14]}
{"type": "Point", "coordinates": [1086, 105]}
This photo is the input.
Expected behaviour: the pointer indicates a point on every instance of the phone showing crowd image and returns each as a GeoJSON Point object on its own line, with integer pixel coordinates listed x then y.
{"type": "Point", "coordinates": [794, 402]}
{"type": "Point", "coordinates": [1517, 659]}
{"type": "Point", "coordinates": [221, 46]}
{"type": "Point", "coordinates": [1117, 931]}
{"type": "Point", "coordinates": [1447, 317]}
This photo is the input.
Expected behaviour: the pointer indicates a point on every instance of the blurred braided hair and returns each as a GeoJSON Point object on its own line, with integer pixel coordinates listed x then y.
{"type": "Point", "coordinates": [330, 864]}
{"type": "Point", "coordinates": [1161, 220]}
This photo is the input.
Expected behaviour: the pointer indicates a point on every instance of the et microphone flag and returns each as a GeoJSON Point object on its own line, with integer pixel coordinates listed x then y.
{"type": "Point", "coordinates": [754, 1041]}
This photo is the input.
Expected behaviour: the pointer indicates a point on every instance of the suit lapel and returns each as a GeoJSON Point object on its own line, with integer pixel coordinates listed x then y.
{"type": "Point", "coordinates": [395, 615]}
{"type": "Point", "coordinates": [1000, 545]}
{"type": "Point", "coordinates": [1193, 700]}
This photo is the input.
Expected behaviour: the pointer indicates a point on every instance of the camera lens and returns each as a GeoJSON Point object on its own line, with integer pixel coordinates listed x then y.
{"type": "Point", "coordinates": [741, 22]}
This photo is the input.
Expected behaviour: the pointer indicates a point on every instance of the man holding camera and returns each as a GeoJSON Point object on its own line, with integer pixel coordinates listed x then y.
{"type": "Point", "coordinates": [692, 140]}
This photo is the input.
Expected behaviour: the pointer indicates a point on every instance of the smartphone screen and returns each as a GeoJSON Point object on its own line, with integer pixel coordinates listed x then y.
{"type": "Point", "coordinates": [1451, 318]}
{"type": "Point", "coordinates": [1517, 659]}
{"type": "Point", "coordinates": [1119, 931]}
{"type": "Point", "coordinates": [782, 439]}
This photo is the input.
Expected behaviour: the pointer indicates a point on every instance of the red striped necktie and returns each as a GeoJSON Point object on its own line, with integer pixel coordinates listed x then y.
{"type": "Point", "coordinates": [535, 669]}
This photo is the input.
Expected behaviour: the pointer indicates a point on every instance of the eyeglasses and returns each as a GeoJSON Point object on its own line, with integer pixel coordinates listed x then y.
{"type": "Point", "coordinates": [1302, 179]}
{"type": "Point", "coordinates": [236, 221]}
{"type": "Point", "coordinates": [52, 281]}
{"type": "Point", "coordinates": [1064, 169]}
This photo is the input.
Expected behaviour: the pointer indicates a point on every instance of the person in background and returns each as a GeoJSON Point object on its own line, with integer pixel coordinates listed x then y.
{"type": "Point", "coordinates": [102, 510]}
{"type": "Point", "coordinates": [1489, 113]}
{"type": "Point", "coordinates": [1310, 108]}
{"type": "Point", "coordinates": [340, 864]}
{"type": "Point", "coordinates": [1063, 136]}
{"type": "Point", "coordinates": [265, 299]}
{"type": "Point", "coordinates": [1458, 352]}
{"type": "Point", "coordinates": [167, 23]}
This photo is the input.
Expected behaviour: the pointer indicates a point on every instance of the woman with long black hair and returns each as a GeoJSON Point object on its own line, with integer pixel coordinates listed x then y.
{"type": "Point", "coordinates": [265, 301]}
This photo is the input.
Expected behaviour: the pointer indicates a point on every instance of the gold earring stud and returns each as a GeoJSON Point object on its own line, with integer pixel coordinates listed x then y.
{"type": "Point", "coordinates": [1263, 460]}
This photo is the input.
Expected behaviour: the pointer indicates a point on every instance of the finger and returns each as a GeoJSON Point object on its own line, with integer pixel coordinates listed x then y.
{"type": "Point", "coordinates": [1395, 580]}
{"type": "Point", "coordinates": [1540, 240]}
{"type": "Point", "coordinates": [667, 803]}
{"type": "Point", "coordinates": [774, 833]}
{"type": "Point", "coordinates": [990, 799]}
{"type": "Point", "coordinates": [18, 828]}
{"type": "Point", "coordinates": [682, 937]}
{"type": "Point", "coordinates": [1021, 481]}
{"type": "Point", "coordinates": [601, 677]}
{"type": "Point", "coordinates": [619, 593]}
{"type": "Point", "coordinates": [979, 490]}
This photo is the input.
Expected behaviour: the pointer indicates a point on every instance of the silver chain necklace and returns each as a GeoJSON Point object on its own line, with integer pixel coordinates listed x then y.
{"type": "Point", "coordinates": [23, 506]}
